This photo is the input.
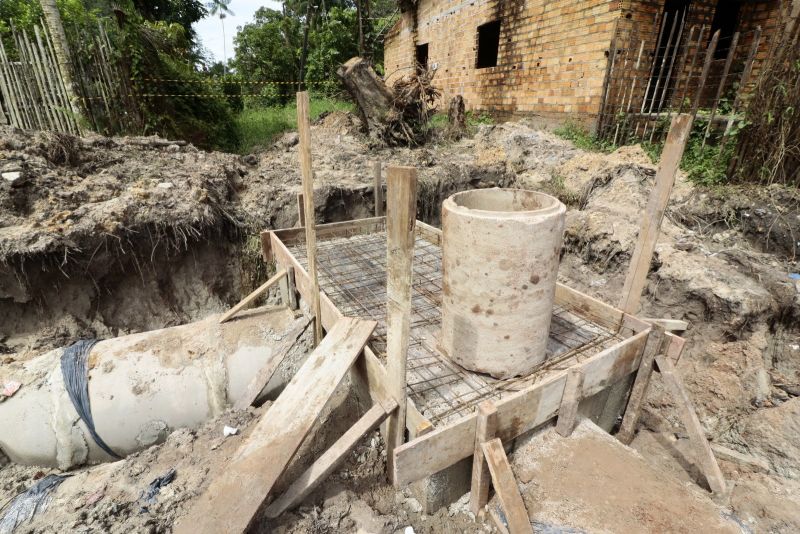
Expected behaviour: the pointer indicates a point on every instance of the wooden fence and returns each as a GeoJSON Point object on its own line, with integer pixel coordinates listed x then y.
{"type": "Point", "coordinates": [33, 93]}
{"type": "Point", "coordinates": [678, 68]}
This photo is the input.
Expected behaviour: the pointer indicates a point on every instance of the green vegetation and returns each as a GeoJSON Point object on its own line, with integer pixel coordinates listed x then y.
{"type": "Point", "coordinates": [581, 138]}
{"type": "Point", "coordinates": [258, 127]}
{"type": "Point", "coordinates": [704, 164]}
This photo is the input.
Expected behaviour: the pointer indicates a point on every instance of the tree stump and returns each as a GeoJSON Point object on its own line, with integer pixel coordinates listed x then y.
{"type": "Point", "coordinates": [456, 118]}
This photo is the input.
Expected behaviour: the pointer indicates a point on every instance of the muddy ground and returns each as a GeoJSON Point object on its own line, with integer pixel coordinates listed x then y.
{"type": "Point", "coordinates": [103, 237]}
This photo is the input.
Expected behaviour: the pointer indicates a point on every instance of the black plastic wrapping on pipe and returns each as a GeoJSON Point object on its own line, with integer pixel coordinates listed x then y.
{"type": "Point", "coordinates": [27, 504]}
{"type": "Point", "coordinates": [75, 368]}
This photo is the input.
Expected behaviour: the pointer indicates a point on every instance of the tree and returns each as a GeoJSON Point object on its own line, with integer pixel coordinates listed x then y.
{"type": "Point", "coordinates": [220, 7]}
{"type": "Point", "coordinates": [52, 18]}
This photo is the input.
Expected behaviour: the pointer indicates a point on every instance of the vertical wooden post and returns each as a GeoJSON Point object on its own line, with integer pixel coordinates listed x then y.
{"type": "Point", "coordinates": [654, 213]}
{"type": "Point", "coordinates": [721, 87]}
{"type": "Point", "coordinates": [704, 75]}
{"type": "Point", "coordinates": [304, 129]}
{"type": "Point", "coordinates": [481, 478]}
{"type": "Point", "coordinates": [748, 68]}
{"type": "Point", "coordinates": [377, 188]}
{"type": "Point", "coordinates": [691, 67]}
{"type": "Point", "coordinates": [568, 411]}
{"type": "Point", "coordinates": [401, 214]}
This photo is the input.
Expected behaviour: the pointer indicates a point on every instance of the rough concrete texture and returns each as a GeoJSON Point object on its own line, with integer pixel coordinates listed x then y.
{"type": "Point", "coordinates": [731, 282]}
{"type": "Point", "coordinates": [500, 255]}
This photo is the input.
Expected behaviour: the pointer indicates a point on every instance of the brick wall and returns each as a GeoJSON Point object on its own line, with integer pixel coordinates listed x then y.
{"type": "Point", "coordinates": [552, 55]}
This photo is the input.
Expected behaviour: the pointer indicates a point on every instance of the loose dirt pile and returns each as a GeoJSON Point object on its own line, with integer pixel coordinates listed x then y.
{"type": "Point", "coordinates": [95, 242]}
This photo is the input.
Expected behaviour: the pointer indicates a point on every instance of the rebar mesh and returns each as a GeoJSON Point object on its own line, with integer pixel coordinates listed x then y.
{"type": "Point", "coordinates": [352, 272]}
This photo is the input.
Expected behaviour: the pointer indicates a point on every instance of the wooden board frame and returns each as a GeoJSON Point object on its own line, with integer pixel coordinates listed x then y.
{"type": "Point", "coordinates": [429, 452]}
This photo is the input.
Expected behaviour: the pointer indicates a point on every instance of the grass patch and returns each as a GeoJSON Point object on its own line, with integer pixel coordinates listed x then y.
{"type": "Point", "coordinates": [557, 187]}
{"type": "Point", "coordinates": [259, 127]}
{"type": "Point", "coordinates": [581, 138]}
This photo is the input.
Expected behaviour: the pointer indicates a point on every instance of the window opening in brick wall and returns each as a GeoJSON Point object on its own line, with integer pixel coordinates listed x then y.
{"type": "Point", "coordinates": [422, 57]}
{"type": "Point", "coordinates": [488, 44]}
{"type": "Point", "coordinates": [726, 20]}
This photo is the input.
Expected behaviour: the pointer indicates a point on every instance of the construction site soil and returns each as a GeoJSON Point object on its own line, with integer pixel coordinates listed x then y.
{"type": "Point", "coordinates": [104, 237]}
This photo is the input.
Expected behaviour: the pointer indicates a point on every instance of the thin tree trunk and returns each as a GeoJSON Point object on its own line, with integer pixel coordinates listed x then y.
{"type": "Point", "coordinates": [360, 11]}
{"type": "Point", "coordinates": [53, 19]}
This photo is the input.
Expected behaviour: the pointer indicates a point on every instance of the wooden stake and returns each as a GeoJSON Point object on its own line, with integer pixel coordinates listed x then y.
{"type": "Point", "coordinates": [377, 188]}
{"type": "Point", "coordinates": [233, 499]}
{"type": "Point", "coordinates": [655, 343]}
{"type": "Point", "coordinates": [712, 46]}
{"type": "Point", "coordinates": [481, 478]}
{"type": "Point", "coordinates": [505, 485]}
{"type": "Point", "coordinates": [705, 456]}
{"type": "Point", "coordinates": [745, 78]}
{"type": "Point", "coordinates": [330, 460]}
{"type": "Point", "coordinates": [568, 412]}
{"type": "Point", "coordinates": [252, 296]}
{"type": "Point", "coordinates": [304, 129]}
{"type": "Point", "coordinates": [691, 67]}
{"type": "Point", "coordinates": [400, 219]}
{"type": "Point", "coordinates": [651, 224]}
{"type": "Point", "coordinates": [721, 87]}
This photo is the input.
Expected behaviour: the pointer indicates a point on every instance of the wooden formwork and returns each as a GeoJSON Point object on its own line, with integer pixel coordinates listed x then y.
{"type": "Point", "coordinates": [441, 435]}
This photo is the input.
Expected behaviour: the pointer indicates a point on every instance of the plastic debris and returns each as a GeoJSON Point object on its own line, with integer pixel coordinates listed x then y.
{"type": "Point", "coordinates": [149, 496]}
{"type": "Point", "coordinates": [10, 387]}
{"type": "Point", "coordinates": [75, 368]}
{"type": "Point", "coordinates": [409, 530]}
{"type": "Point", "coordinates": [27, 504]}
{"type": "Point", "coordinates": [229, 431]}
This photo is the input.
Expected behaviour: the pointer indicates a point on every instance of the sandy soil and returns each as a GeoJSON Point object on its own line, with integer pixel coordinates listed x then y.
{"type": "Point", "coordinates": [94, 244]}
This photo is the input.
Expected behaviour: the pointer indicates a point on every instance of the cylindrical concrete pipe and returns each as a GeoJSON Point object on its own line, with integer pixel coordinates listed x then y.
{"type": "Point", "coordinates": [141, 387]}
{"type": "Point", "coordinates": [500, 259]}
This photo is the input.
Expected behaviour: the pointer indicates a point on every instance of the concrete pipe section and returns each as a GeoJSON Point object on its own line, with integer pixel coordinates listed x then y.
{"type": "Point", "coordinates": [141, 387]}
{"type": "Point", "coordinates": [500, 258]}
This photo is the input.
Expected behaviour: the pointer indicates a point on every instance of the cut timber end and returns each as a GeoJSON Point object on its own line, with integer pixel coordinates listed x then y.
{"type": "Point", "coordinates": [233, 500]}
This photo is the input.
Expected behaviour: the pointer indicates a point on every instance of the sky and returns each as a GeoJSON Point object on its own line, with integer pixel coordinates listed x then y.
{"type": "Point", "coordinates": [210, 30]}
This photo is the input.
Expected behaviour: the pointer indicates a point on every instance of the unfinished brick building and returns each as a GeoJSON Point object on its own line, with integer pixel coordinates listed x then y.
{"type": "Point", "coordinates": [573, 58]}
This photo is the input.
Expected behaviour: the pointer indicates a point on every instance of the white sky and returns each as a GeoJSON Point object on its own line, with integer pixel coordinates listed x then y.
{"type": "Point", "coordinates": [209, 30]}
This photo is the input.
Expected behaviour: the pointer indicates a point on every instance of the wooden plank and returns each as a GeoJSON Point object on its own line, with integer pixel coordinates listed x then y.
{"type": "Point", "coordinates": [294, 236]}
{"type": "Point", "coordinates": [670, 325]}
{"type": "Point", "coordinates": [481, 478]}
{"type": "Point", "coordinates": [587, 306]}
{"type": "Point", "coordinates": [654, 212]}
{"type": "Point", "coordinates": [369, 367]}
{"type": "Point", "coordinates": [304, 131]}
{"type": "Point", "coordinates": [377, 188]}
{"type": "Point", "coordinates": [656, 342]}
{"type": "Point", "coordinates": [401, 208]}
{"type": "Point", "coordinates": [568, 411]}
{"type": "Point", "coordinates": [498, 518]}
{"type": "Point", "coordinates": [704, 455]}
{"type": "Point", "coordinates": [263, 376]}
{"type": "Point", "coordinates": [505, 486]}
{"type": "Point", "coordinates": [516, 414]}
{"type": "Point", "coordinates": [232, 501]}
{"type": "Point", "coordinates": [329, 460]}
{"type": "Point", "coordinates": [676, 346]}
{"type": "Point", "coordinates": [430, 233]}
{"type": "Point", "coordinates": [249, 299]}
